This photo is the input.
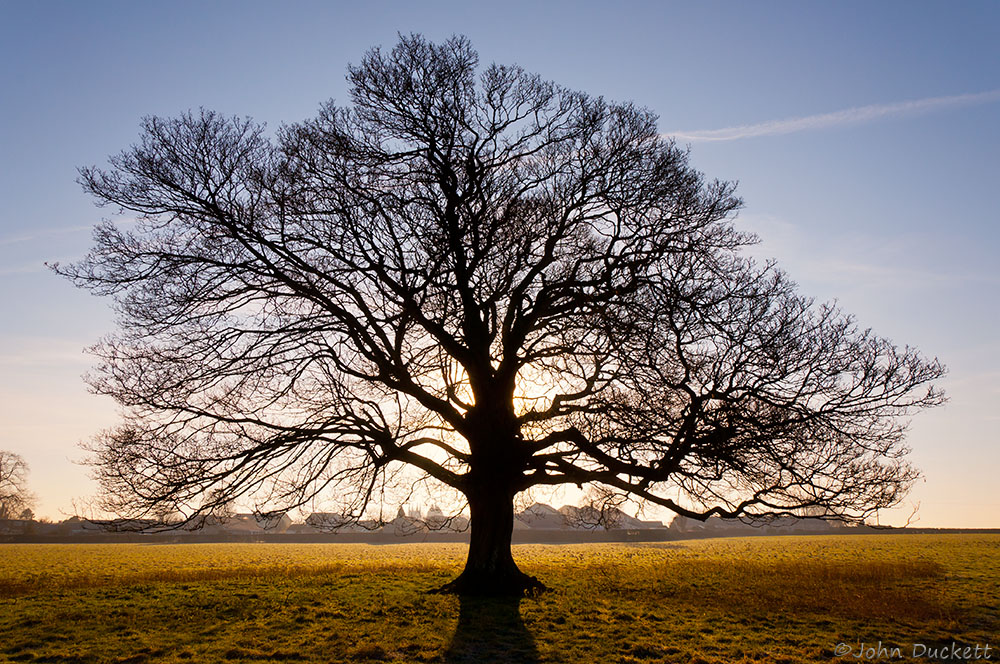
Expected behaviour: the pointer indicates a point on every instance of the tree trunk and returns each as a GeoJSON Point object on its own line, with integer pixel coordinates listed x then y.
{"type": "Point", "coordinates": [490, 568]}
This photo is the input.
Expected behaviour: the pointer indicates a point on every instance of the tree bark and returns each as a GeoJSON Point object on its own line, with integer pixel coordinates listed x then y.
{"type": "Point", "coordinates": [490, 569]}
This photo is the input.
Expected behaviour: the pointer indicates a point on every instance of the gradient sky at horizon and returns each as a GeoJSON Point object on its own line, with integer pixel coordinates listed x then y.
{"type": "Point", "coordinates": [865, 138]}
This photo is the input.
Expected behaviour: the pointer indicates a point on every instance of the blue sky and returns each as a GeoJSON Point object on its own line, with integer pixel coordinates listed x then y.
{"type": "Point", "coordinates": [870, 168]}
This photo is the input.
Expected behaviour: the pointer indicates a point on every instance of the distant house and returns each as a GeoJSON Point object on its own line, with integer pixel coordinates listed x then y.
{"type": "Point", "coordinates": [714, 524]}
{"type": "Point", "coordinates": [610, 518]}
{"type": "Point", "coordinates": [206, 523]}
{"type": "Point", "coordinates": [256, 523]}
{"type": "Point", "coordinates": [328, 521]}
{"type": "Point", "coordinates": [406, 524]}
{"type": "Point", "coordinates": [15, 526]}
{"type": "Point", "coordinates": [785, 525]}
{"type": "Point", "coordinates": [644, 524]}
{"type": "Point", "coordinates": [542, 517]}
{"type": "Point", "coordinates": [436, 519]}
{"type": "Point", "coordinates": [333, 522]}
{"type": "Point", "coordinates": [584, 518]}
{"type": "Point", "coordinates": [118, 525]}
{"type": "Point", "coordinates": [791, 524]}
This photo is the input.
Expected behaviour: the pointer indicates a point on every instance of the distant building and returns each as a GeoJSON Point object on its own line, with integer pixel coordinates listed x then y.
{"type": "Point", "coordinates": [542, 517]}
{"type": "Point", "coordinates": [786, 525]}
{"type": "Point", "coordinates": [610, 518]}
{"type": "Point", "coordinates": [333, 522]}
{"type": "Point", "coordinates": [406, 524]}
{"type": "Point", "coordinates": [437, 520]}
{"type": "Point", "coordinates": [683, 524]}
{"type": "Point", "coordinates": [15, 526]}
{"type": "Point", "coordinates": [118, 525]}
{"type": "Point", "coordinates": [327, 521]}
{"type": "Point", "coordinates": [254, 523]}
{"type": "Point", "coordinates": [791, 524]}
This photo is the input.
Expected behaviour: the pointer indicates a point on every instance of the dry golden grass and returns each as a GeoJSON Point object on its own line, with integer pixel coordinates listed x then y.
{"type": "Point", "coordinates": [875, 589]}
{"type": "Point", "coordinates": [785, 600]}
{"type": "Point", "coordinates": [32, 568]}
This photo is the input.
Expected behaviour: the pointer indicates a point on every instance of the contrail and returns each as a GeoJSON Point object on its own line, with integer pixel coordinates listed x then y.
{"type": "Point", "coordinates": [850, 116]}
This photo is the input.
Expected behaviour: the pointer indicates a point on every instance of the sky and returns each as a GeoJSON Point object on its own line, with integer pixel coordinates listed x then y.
{"type": "Point", "coordinates": [865, 138]}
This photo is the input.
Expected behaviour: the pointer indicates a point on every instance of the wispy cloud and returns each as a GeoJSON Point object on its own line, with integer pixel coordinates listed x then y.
{"type": "Point", "coordinates": [868, 261]}
{"type": "Point", "coordinates": [40, 234]}
{"type": "Point", "coordinates": [850, 116]}
{"type": "Point", "coordinates": [37, 352]}
{"type": "Point", "coordinates": [22, 268]}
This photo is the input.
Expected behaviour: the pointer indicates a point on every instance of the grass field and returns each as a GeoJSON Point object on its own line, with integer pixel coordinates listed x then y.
{"type": "Point", "coordinates": [780, 599]}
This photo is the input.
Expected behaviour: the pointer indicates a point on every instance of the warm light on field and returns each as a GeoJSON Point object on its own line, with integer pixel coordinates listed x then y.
{"type": "Point", "coordinates": [774, 599]}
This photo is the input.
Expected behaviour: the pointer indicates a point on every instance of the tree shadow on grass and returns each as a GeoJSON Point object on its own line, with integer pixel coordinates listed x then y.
{"type": "Point", "coordinates": [490, 630]}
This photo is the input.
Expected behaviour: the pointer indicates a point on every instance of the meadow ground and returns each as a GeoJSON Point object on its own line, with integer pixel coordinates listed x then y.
{"type": "Point", "coordinates": [778, 599]}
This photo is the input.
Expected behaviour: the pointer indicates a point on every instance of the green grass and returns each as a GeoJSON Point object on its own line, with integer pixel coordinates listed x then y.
{"type": "Point", "coordinates": [787, 599]}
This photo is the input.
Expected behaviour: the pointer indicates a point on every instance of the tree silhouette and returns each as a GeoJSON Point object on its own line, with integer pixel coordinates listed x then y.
{"type": "Point", "coordinates": [15, 498]}
{"type": "Point", "coordinates": [487, 278]}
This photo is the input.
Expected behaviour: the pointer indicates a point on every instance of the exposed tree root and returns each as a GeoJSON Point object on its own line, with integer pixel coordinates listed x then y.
{"type": "Point", "coordinates": [517, 584]}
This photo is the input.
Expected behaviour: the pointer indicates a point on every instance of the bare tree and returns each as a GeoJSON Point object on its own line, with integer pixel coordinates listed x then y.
{"type": "Point", "coordinates": [484, 277]}
{"type": "Point", "coordinates": [15, 498]}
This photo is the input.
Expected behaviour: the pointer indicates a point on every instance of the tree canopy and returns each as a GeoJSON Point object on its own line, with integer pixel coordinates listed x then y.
{"type": "Point", "coordinates": [15, 497]}
{"type": "Point", "coordinates": [484, 277]}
